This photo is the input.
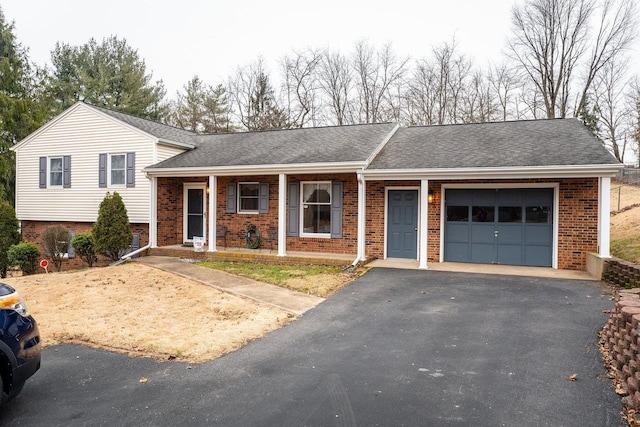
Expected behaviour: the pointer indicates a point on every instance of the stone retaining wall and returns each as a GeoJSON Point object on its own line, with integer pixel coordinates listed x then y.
{"type": "Point", "coordinates": [621, 273]}
{"type": "Point", "coordinates": [621, 338]}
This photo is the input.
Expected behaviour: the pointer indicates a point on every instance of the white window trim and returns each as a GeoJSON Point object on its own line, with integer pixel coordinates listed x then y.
{"type": "Point", "coordinates": [302, 203]}
{"type": "Point", "coordinates": [49, 171]}
{"type": "Point", "coordinates": [109, 183]}
{"type": "Point", "coordinates": [239, 196]}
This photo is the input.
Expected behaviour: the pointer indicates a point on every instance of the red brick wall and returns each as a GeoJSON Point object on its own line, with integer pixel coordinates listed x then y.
{"type": "Point", "coordinates": [170, 213]}
{"type": "Point", "coordinates": [348, 244]}
{"type": "Point", "coordinates": [32, 232]}
{"type": "Point", "coordinates": [577, 217]}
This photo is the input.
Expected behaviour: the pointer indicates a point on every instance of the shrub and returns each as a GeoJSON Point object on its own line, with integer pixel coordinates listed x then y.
{"type": "Point", "coordinates": [24, 255]}
{"type": "Point", "coordinates": [111, 232]}
{"type": "Point", "coordinates": [8, 234]}
{"type": "Point", "coordinates": [56, 244]}
{"type": "Point", "coordinates": [85, 248]}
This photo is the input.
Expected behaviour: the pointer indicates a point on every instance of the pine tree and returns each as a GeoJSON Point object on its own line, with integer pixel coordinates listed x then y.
{"type": "Point", "coordinates": [20, 113]}
{"type": "Point", "coordinates": [109, 74]}
{"type": "Point", "coordinates": [9, 235]}
{"type": "Point", "coordinates": [111, 231]}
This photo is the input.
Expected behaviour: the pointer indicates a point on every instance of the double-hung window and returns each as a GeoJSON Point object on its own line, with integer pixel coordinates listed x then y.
{"type": "Point", "coordinates": [117, 169]}
{"type": "Point", "coordinates": [316, 209]}
{"type": "Point", "coordinates": [248, 195]}
{"type": "Point", "coordinates": [55, 171]}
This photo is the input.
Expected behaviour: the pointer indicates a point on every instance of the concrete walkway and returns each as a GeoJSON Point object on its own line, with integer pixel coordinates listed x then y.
{"type": "Point", "coordinates": [276, 296]}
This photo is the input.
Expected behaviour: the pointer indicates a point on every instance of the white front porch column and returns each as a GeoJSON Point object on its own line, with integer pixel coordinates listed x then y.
{"type": "Point", "coordinates": [213, 202]}
{"type": "Point", "coordinates": [282, 215]}
{"type": "Point", "coordinates": [423, 226]}
{"type": "Point", "coordinates": [604, 218]}
{"type": "Point", "coordinates": [153, 213]}
{"type": "Point", "coordinates": [362, 218]}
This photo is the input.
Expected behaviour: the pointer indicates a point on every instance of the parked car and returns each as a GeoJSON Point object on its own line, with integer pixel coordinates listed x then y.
{"type": "Point", "coordinates": [19, 344]}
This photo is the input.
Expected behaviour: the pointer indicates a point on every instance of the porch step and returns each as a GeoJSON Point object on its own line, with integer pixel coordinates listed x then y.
{"type": "Point", "coordinates": [251, 256]}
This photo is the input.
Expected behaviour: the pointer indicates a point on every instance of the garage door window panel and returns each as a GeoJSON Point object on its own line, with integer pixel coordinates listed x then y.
{"type": "Point", "coordinates": [483, 214]}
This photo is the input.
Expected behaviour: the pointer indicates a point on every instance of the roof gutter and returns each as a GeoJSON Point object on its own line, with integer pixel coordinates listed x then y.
{"type": "Point", "coordinates": [342, 167]}
{"type": "Point", "coordinates": [513, 172]}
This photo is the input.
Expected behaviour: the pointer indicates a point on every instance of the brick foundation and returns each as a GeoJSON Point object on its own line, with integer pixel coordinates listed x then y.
{"type": "Point", "coordinates": [32, 232]}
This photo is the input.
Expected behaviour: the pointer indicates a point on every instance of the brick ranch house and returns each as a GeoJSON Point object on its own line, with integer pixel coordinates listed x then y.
{"type": "Point", "coordinates": [532, 193]}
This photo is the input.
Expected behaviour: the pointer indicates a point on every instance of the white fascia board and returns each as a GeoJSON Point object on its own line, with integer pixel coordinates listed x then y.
{"type": "Point", "coordinates": [381, 146]}
{"type": "Point", "coordinates": [302, 168]}
{"type": "Point", "coordinates": [47, 125]}
{"type": "Point", "coordinates": [175, 144]}
{"type": "Point", "coordinates": [573, 171]}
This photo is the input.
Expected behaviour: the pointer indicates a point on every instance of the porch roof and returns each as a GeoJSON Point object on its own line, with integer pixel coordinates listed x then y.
{"type": "Point", "coordinates": [336, 145]}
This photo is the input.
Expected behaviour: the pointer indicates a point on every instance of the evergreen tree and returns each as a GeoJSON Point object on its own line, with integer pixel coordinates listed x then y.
{"type": "Point", "coordinates": [20, 113]}
{"type": "Point", "coordinates": [264, 111]}
{"type": "Point", "coordinates": [109, 74]}
{"type": "Point", "coordinates": [202, 108]}
{"type": "Point", "coordinates": [9, 235]}
{"type": "Point", "coordinates": [111, 232]}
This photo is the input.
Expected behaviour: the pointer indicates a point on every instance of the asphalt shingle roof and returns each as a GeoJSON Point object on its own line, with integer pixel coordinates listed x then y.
{"type": "Point", "coordinates": [159, 130]}
{"type": "Point", "coordinates": [552, 142]}
{"type": "Point", "coordinates": [337, 144]}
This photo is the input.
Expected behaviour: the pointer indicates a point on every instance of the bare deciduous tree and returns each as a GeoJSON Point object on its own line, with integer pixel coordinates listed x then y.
{"type": "Point", "coordinates": [375, 72]}
{"type": "Point", "coordinates": [335, 79]}
{"type": "Point", "coordinates": [551, 43]}
{"type": "Point", "coordinates": [300, 82]}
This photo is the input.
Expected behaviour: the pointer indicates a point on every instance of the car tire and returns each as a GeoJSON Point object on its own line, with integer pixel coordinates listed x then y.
{"type": "Point", "coordinates": [3, 395]}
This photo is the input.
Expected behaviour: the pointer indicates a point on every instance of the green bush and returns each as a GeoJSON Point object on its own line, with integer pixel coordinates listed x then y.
{"type": "Point", "coordinates": [111, 233]}
{"type": "Point", "coordinates": [8, 234]}
{"type": "Point", "coordinates": [85, 248]}
{"type": "Point", "coordinates": [25, 255]}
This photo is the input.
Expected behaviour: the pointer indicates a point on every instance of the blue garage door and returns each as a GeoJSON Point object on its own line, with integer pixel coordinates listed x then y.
{"type": "Point", "coordinates": [499, 226]}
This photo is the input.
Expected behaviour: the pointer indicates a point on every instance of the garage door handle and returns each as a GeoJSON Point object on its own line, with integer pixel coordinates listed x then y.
{"type": "Point", "coordinates": [495, 233]}
{"type": "Point", "coordinates": [415, 229]}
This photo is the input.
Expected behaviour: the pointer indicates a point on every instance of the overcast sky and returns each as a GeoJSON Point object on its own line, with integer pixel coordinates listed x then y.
{"type": "Point", "coordinates": [181, 38]}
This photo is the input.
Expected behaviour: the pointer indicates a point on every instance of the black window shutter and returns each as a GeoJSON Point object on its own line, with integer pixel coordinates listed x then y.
{"type": "Point", "coordinates": [231, 197]}
{"type": "Point", "coordinates": [293, 209]}
{"type": "Point", "coordinates": [131, 169]}
{"type": "Point", "coordinates": [263, 198]}
{"type": "Point", "coordinates": [66, 171]}
{"type": "Point", "coordinates": [336, 210]}
{"type": "Point", "coordinates": [102, 170]}
{"type": "Point", "coordinates": [43, 172]}
{"type": "Point", "coordinates": [71, 252]}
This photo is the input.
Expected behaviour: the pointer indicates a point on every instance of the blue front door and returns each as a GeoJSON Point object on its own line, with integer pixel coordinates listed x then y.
{"type": "Point", "coordinates": [402, 224]}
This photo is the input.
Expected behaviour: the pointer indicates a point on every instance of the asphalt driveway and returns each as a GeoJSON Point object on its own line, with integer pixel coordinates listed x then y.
{"type": "Point", "coordinates": [396, 347]}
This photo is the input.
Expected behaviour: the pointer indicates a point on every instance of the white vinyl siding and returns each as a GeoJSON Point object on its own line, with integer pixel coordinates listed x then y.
{"type": "Point", "coordinates": [85, 133]}
{"type": "Point", "coordinates": [164, 152]}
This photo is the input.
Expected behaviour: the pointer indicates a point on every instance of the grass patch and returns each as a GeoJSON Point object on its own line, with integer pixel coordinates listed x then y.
{"type": "Point", "coordinates": [627, 249]}
{"type": "Point", "coordinates": [316, 280]}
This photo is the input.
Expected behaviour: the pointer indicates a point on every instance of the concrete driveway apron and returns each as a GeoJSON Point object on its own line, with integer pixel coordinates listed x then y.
{"type": "Point", "coordinates": [396, 347]}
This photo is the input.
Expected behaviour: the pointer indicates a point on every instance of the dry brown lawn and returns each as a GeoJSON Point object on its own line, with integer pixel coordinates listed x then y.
{"type": "Point", "coordinates": [625, 224]}
{"type": "Point", "coordinates": [142, 311]}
